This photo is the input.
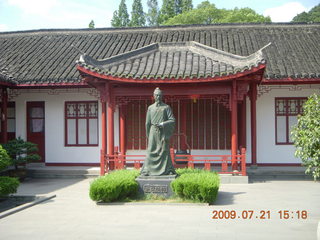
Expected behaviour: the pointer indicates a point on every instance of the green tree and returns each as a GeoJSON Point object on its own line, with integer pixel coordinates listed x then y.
{"type": "Point", "coordinates": [21, 152]}
{"type": "Point", "coordinates": [91, 24]}
{"type": "Point", "coordinates": [121, 17]}
{"type": "Point", "coordinates": [243, 15]}
{"type": "Point", "coordinates": [167, 10]}
{"type": "Point", "coordinates": [312, 16]}
{"type": "Point", "coordinates": [306, 136]}
{"type": "Point", "coordinates": [138, 18]}
{"type": "Point", "coordinates": [207, 13]}
{"type": "Point", "coordinates": [4, 159]}
{"type": "Point", "coordinates": [186, 5]}
{"type": "Point", "coordinates": [153, 13]}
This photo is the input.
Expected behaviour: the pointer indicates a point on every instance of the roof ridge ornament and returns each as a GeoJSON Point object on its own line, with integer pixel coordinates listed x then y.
{"type": "Point", "coordinates": [260, 50]}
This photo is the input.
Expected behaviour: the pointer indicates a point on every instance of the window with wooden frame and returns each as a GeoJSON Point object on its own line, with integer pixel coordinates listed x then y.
{"type": "Point", "coordinates": [81, 123]}
{"type": "Point", "coordinates": [286, 116]}
{"type": "Point", "coordinates": [11, 120]}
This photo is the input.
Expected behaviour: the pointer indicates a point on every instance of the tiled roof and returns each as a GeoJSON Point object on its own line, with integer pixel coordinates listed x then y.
{"type": "Point", "coordinates": [175, 60]}
{"type": "Point", "coordinates": [47, 56]}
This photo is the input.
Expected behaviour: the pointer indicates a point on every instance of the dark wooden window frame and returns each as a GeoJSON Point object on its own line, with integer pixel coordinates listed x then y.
{"type": "Point", "coordinates": [286, 114]}
{"type": "Point", "coordinates": [11, 134]}
{"type": "Point", "coordinates": [87, 118]}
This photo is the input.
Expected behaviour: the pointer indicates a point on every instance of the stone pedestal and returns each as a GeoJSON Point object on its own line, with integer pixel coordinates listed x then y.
{"type": "Point", "coordinates": [159, 185]}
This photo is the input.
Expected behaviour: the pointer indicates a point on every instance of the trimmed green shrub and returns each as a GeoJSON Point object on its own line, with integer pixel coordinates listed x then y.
{"type": "Point", "coordinates": [8, 185]}
{"type": "Point", "coordinates": [115, 186]}
{"type": "Point", "coordinates": [181, 171]}
{"type": "Point", "coordinates": [4, 159]}
{"type": "Point", "coordinates": [197, 185]}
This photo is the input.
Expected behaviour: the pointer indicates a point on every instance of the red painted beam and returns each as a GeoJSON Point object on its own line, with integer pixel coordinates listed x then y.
{"type": "Point", "coordinates": [290, 81]}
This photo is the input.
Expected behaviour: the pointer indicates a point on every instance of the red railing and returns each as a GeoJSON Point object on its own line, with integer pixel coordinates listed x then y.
{"type": "Point", "coordinates": [223, 164]}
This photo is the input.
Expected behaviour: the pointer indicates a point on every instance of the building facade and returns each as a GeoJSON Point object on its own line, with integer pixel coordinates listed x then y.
{"type": "Point", "coordinates": [79, 94]}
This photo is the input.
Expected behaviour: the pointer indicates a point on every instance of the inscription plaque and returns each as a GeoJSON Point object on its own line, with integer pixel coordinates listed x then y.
{"type": "Point", "coordinates": [148, 188]}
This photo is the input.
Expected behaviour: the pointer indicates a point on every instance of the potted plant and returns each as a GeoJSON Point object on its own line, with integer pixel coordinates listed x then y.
{"type": "Point", "coordinates": [21, 152]}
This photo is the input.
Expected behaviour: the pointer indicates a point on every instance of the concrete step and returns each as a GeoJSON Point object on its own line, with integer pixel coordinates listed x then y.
{"type": "Point", "coordinates": [36, 171]}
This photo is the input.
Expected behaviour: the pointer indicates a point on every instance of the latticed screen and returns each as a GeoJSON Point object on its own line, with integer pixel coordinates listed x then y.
{"type": "Point", "coordinates": [208, 124]}
{"type": "Point", "coordinates": [81, 123]}
{"type": "Point", "coordinates": [287, 111]}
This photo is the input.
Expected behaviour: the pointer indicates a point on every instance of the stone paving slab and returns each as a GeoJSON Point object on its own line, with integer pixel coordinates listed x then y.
{"type": "Point", "coordinates": [72, 215]}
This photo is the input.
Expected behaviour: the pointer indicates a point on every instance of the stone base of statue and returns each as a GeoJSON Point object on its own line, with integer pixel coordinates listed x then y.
{"type": "Point", "coordinates": [159, 185]}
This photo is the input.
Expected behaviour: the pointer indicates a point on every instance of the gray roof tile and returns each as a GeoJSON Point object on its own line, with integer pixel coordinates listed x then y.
{"type": "Point", "coordinates": [48, 56]}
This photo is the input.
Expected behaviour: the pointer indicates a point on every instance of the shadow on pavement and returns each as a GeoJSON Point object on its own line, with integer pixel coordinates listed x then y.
{"type": "Point", "coordinates": [226, 198]}
{"type": "Point", "coordinates": [37, 186]}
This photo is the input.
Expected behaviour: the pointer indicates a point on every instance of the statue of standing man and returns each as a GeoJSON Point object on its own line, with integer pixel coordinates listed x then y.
{"type": "Point", "coordinates": [160, 124]}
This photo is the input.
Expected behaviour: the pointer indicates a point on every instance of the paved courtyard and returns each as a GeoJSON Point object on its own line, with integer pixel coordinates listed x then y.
{"type": "Point", "coordinates": [72, 215]}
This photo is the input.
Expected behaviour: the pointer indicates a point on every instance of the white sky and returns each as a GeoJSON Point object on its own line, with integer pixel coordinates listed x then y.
{"type": "Point", "coordinates": [42, 14]}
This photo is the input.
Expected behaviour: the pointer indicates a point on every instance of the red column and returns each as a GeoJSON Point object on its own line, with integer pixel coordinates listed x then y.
{"type": "Point", "coordinates": [234, 121]}
{"type": "Point", "coordinates": [103, 138]}
{"type": "Point", "coordinates": [4, 118]}
{"type": "Point", "coordinates": [243, 129]}
{"type": "Point", "coordinates": [123, 129]}
{"type": "Point", "coordinates": [183, 124]}
{"type": "Point", "coordinates": [111, 109]}
{"type": "Point", "coordinates": [253, 110]}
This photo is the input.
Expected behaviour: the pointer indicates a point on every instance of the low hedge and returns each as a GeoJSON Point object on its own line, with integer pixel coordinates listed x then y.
{"type": "Point", "coordinates": [114, 186]}
{"type": "Point", "coordinates": [197, 185]}
{"type": "Point", "coordinates": [8, 185]}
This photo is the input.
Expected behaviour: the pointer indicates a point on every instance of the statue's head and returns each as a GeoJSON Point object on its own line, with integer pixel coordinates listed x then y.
{"type": "Point", "coordinates": [157, 94]}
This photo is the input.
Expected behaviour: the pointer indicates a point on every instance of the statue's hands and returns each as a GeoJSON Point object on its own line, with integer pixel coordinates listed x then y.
{"type": "Point", "coordinates": [159, 125]}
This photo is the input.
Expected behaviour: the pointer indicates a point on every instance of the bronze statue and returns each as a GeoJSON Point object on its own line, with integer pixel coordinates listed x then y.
{"type": "Point", "coordinates": [160, 124]}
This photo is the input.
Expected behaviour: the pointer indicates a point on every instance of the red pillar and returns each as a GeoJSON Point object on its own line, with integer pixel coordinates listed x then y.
{"type": "Point", "coordinates": [4, 117]}
{"type": "Point", "coordinates": [111, 109]}
{"type": "Point", "coordinates": [103, 138]}
{"type": "Point", "coordinates": [253, 110]}
{"type": "Point", "coordinates": [183, 124]}
{"type": "Point", "coordinates": [123, 130]}
{"type": "Point", "coordinates": [243, 139]}
{"type": "Point", "coordinates": [234, 121]}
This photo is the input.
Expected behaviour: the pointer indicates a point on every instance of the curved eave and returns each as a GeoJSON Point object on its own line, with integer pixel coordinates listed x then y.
{"type": "Point", "coordinates": [86, 71]}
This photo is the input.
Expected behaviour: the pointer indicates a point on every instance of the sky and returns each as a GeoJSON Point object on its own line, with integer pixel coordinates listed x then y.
{"type": "Point", "coordinates": [16, 15]}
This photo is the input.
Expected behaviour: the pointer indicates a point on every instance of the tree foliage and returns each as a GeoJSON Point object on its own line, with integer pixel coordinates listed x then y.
{"type": "Point", "coordinates": [306, 136]}
{"type": "Point", "coordinates": [121, 17]}
{"type": "Point", "coordinates": [167, 10]}
{"type": "Point", "coordinates": [312, 16]}
{"type": "Point", "coordinates": [207, 13]}
{"type": "Point", "coordinates": [91, 24]}
{"type": "Point", "coordinates": [153, 13]}
{"type": "Point", "coordinates": [4, 159]}
{"type": "Point", "coordinates": [138, 18]}
{"type": "Point", "coordinates": [21, 152]}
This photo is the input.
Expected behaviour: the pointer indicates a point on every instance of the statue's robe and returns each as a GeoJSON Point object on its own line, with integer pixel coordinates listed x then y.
{"type": "Point", "coordinates": [158, 161]}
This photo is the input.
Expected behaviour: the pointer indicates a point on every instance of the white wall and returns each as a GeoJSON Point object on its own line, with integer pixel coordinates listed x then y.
{"type": "Point", "coordinates": [55, 150]}
{"type": "Point", "coordinates": [267, 150]}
